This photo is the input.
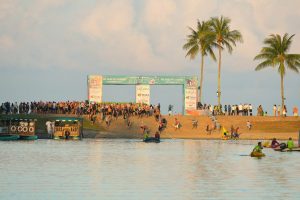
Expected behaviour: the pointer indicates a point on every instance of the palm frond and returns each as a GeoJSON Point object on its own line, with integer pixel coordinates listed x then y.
{"type": "Point", "coordinates": [276, 52]}
{"type": "Point", "coordinates": [265, 64]}
{"type": "Point", "coordinates": [294, 66]}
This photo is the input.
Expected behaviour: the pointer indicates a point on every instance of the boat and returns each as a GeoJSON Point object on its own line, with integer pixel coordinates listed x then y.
{"type": "Point", "coordinates": [287, 149]}
{"type": "Point", "coordinates": [257, 154]}
{"type": "Point", "coordinates": [151, 139]}
{"type": "Point", "coordinates": [9, 137]}
{"type": "Point", "coordinates": [13, 128]}
{"type": "Point", "coordinates": [29, 137]}
{"type": "Point", "coordinates": [68, 128]}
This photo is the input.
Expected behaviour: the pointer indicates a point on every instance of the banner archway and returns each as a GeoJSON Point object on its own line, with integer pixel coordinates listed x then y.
{"type": "Point", "coordinates": [142, 83]}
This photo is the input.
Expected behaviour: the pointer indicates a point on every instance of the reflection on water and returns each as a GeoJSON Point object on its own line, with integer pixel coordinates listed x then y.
{"type": "Point", "coordinates": [130, 169]}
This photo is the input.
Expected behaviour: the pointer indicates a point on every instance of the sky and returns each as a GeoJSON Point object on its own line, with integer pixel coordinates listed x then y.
{"type": "Point", "coordinates": [48, 47]}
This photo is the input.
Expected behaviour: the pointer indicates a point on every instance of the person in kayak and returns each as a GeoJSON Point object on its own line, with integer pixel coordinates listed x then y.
{"type": "Point", "coordinates": [290, 144]}
{"type": "Point", "coordinates": [258, 148]}
{"type": "Point", "coordinates": [146, 135]}
{"type": "Point", "coordinates": [274, 143]}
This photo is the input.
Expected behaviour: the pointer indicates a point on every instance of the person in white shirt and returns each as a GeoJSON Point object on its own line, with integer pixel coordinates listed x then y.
{"type": "Point", "coordinates": [278, 110]}
{"type": "Point", "coordinates": [274, 110]}
{"type": "Point", "coordinates": [49, 127]}
{"type": "Point", "coordinates": [240, 109]}
{"type": "Point", "coordinates": [233, 109]}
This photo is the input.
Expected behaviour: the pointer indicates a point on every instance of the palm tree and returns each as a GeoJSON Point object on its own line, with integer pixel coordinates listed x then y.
{"type": "Point", "coordinates": [225, 38]}
{"type": "Point", "coordinates": [274, 54]}
{"type": "Point", "coordinates": [200, 41]}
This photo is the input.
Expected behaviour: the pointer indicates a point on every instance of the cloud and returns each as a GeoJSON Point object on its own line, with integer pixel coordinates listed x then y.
{"type": "Point", "coordinates": [159, 14]}
{"type": "Point", "coordinates": [122, 44]}
{"type": "Point", "coordinates": [6, 42]}
{"type": "Point", "coordinates": [130, 34]}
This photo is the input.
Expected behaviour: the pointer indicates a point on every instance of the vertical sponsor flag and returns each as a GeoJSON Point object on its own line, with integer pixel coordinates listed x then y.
{"type": "Point", "coordinates": [142, 94]}
{"type": "Point", "coordinates": [95, 88]}
{"type": "Point", "coordinates": [190, 95]}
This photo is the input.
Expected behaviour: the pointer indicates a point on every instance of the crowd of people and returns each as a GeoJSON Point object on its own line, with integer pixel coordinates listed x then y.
{"type": "Point", "coordinates": [231, 110]}
{"type": "Point", "coordinates": [116, 109]}
{"type": "Point", "coordinates": [78, 108]}
{"type": "Point", "coordinates": [245, 110]}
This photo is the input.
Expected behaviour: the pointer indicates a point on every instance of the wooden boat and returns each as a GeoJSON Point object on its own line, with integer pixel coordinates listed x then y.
{"type": "Point", "coordinates": [17, 128]}
{"type": "Point", "coordinates": [9, 137]}
{"type": "Point", "coordinates": [68, 128]}
{"type": "Point", "coordinates": [151, 139]}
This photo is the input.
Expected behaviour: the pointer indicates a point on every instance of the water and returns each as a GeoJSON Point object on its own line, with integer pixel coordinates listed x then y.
{"type": "Point", "coordinates": [130, 169]}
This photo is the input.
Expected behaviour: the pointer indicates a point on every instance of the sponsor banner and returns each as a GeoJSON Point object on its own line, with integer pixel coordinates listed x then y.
{"type": "Point", "coordinates": [95, 88]}
{"type": "Point", "coordinates": [189, 81]}
{"type": "Point", "coordinates": [190, 98]}
{"type": "Point", "coordinates": [142, 94]}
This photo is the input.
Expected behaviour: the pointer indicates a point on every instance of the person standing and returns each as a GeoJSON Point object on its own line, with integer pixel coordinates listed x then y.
{"type": "Point", "coordinates": [50, 128]}
{"type": "Point", "coordinates": [295, 111]}
{"type": "Point", "coordinates": [284, 111]}
{"type": "Point", "coordinates": [274, 110]}
{"type": "Point", "coordinates": [250, 109]}
{"type": "Point", "coordinates": [278, 110]}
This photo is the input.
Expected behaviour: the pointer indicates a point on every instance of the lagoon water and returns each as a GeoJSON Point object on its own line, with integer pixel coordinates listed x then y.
{"type": "Point", "coordinates": [131, 169]}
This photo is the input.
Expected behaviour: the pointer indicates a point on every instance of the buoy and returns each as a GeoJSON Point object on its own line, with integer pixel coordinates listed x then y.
{"type": "Point", "coordinates": [13, 128]}
{"type": "Point", "coordinates": [31, 129]}
{"type": "Point", "coordinates": [25, 129]}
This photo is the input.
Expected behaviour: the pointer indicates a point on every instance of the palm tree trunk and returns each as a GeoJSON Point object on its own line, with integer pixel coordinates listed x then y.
{"type": "Point", "coordinates": [219, 76]}
{"type": "Point", "coordinates": [282, 94]}
{"type": "Point", "coordinates": [201, 78]}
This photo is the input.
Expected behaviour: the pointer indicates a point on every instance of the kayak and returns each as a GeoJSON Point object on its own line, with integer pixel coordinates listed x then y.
{"type": "Point", "coordinates": [151, 139]}
{"type": "Point", "coordinates": [257, 154]}
{"type": "Point", "coordinates": [30, 137]}
{"type": "Point", "coordinates": [9, 137]}
{"type": "Point", "coordinates": [287, 149]}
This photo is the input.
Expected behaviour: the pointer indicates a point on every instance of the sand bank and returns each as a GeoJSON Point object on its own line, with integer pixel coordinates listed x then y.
{"type": "Point", "coordinates": [263, 127]}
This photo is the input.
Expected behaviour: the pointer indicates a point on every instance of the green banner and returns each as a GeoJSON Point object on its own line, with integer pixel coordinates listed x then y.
{"type": "Point", "coordinates": [151, 80]}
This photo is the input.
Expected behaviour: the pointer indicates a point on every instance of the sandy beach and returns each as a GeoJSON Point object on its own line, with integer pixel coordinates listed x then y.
{"type": "Point", "coordinates": [263, 128]}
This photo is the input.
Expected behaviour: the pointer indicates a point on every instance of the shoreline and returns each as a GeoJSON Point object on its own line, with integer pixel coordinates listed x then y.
{"type": "Point", "coordinates": [110, 135]}
{"type": "Point", "coordinates": [263, 127]}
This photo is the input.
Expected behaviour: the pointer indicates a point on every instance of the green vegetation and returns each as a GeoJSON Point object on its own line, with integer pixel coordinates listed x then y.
{"type": "Point", "coordinates": [274, 54]}
{"type": "Point", "coordinates": [200, 41]}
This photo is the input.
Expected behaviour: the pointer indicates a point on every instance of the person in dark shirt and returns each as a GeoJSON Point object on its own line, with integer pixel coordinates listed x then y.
{"type": "Point", "coordinates": [275, 143]}
{"type": "Point", "coordinates": [157, 135]}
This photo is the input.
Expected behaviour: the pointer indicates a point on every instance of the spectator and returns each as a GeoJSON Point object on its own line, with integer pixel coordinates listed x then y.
{"type": "Point", "coordinates": [295, 111]}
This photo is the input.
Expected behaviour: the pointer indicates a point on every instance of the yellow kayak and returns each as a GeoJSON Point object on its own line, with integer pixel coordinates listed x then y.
{"type": "Point", "coordinates": [257, 154]}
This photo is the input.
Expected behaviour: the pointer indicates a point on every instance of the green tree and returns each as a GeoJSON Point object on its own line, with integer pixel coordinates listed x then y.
{"type": "Point", "coordinates": [274, 54]}
{"type": "Point", "coordinates": [200, 41]}
{"type": "Point", "coordinates": [225, 38]}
